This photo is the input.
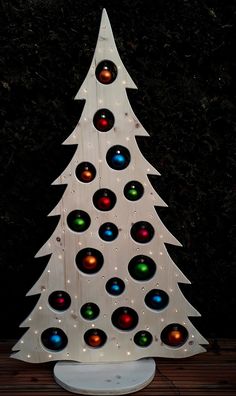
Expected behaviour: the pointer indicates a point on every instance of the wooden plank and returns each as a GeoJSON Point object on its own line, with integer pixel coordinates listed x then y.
{"type": "Point", "coordinates": [212, 373]}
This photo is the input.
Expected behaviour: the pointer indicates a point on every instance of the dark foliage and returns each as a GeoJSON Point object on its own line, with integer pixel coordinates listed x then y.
{"type": "Point", "coordinates": [181, 54]}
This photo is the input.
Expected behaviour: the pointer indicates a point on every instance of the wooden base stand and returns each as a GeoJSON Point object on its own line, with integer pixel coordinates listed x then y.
{"type": "Point", "coordinates": [104, 378]}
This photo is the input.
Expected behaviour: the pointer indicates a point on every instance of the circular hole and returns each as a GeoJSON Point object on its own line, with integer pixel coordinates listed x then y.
{"type": "Point", "coordinates": [85, 172]}
{"type": "Point", "coordinates": [54, 339]}
{"type": "Point", "coordinates": [174, 335]}
{"type": "Point", "coordinates": [157, 299]}
{"type": "Point", "coordinates": [142, 268]}
{"type": "Point", "coordinates": [103, 120]}
{"type": "Point", "coordinates": [125, 318]}
{"type": "Point", "coordinates": [142, 232]}
{"type": "Point", "coordinates": [118, 157]}
{"type": "Point", "coordinates": [115, 286]}
{"type": "Point", "coordinates": [89, 260]}
{"type": "Point", "coordinates": [106, 72]}
{"type": "Point", "coordinates": [59, 300]}
{"type": "Point", "coordinates": [78, 220]}
{"type": "Point", "coordinates": [108, 232]}
{"type": "Point", "coordinates": [90, 311]}
{"type": "Point", "coordinates": [133, 190]}
{"type": "Point", "coordinates": [95, 338]}
{"type": "Point", "coordinates": [104, 199]}
{"type": "Point", "coordinates": [143, 338]}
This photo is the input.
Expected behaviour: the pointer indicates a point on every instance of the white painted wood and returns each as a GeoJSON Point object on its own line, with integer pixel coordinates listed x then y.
{"type": "Point", "coordinates": [61, 272]}
{"type": "Point", "coordinates": [105, 378]}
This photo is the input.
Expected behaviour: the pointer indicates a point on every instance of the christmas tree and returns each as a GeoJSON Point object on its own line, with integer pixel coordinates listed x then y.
{"type": "Point", "coordinates": [110, 290]}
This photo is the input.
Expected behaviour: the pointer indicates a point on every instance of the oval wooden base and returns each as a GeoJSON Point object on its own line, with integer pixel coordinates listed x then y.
{"type": "Point", "coordinates": [104, 378]}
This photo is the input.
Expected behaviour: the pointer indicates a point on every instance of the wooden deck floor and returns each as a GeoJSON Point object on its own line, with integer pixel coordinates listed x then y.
{"type": "Point", "coordinates": [212, 373]}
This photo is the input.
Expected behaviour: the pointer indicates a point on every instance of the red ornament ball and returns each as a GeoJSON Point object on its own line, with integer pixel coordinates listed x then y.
{"type": "Point", "coordinates": [104, 203]}
{"type": "Point", "coordinates": [102, 124]}
{"type": "Point", "coordinates": [125, 321]}
{"type": "Point", "coordinates": [142, 235]}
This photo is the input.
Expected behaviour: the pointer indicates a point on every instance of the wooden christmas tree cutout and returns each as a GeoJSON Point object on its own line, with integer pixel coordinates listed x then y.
{"type": "Point", "coordinates": [110, 290]}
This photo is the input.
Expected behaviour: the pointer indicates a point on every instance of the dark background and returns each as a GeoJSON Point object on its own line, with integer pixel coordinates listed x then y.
{"type": "Point", "coordinates": [181, 55]}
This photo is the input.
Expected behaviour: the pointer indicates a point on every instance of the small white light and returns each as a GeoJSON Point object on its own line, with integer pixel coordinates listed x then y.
{"type": "Point", "coordinates": [100, 101]}
{"type": "Point", "coordinates": [68, 281]}
{"type": "Point", "coordinates": [128, 353]}
{"type": "Point", "coordinates": [30, 319]}
{"type": "Point", "coordinates": [170, 290]}
{"type": "Point", "coordinates": [127, 139]}
{"type": "Point", "coordinates": [40, 308]}
{"type": "Point", "coordinates": [85, 90]}
{"type": "Point", "coordinates": [84, 349]}
{"type": "Point", "coordinates": [161, 253]}
{"type": "Point", "coordinates": [36, 332]}
{"type": "Point", "coordinates": [147, 328]}
{"type": "Point", "coordinates": [161, 236]}
{"type": "Point", "coordinates": [50, 356]}
{"type": "Point", "coordinates": [100, 161]}
{"type": "Point", "coordinates": [123, 82]}
{"type": "Point", "coordinates": [80, 243]}
{"type": "Point", "coordinates": [115, 268]}
{"type": "Point", "coordinates": [150, 252]}
{"type": "Point", "coordinates": [93, 325]}
{"type": "Point", "coordinates": [67, 354]}
{"type": "Point", "coordinates": [76, 297]}
{"type": "Point", "coordinates": [60, 256]}
{"type": "Point", "coordinates": [148, 169]}
{"type": "Point", "coordinates": [132, 301]}
{"type": "Point", "coordinates": [22, 342]}
{"type": "Point", "coordinates": [118, 179]}
{"type": "Point", "coordinates": [28, 356]}
{"type": "Point", "coordinates": [49, 244]}
{"type": "Point", "coordinates": [162, 320]}
{"type": "Point", "coordinates": [49, 271]}
{"type": "Point", "coordinates": [85, 119]}
{"type": "Point", "coordinates": [59, 320]}
{"type": "Point", "coordinates": [185, 350]}
{"type": "Point", "coordinates": [75, 325]}
{"type": "Point", "coordinates": [192, 336]}
{"type": "Point", "coordinates": [176, 310]}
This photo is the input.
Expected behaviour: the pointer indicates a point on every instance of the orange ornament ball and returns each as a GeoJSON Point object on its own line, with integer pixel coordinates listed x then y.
{"type": "Point", "coordinates": [175, 337]}
{"type": "Point", "coordinates": [86, 175]}
{"type": "Point", "coordinates": [90, 262]}
{"type": "Point", "coordinates": [94, 340]}
{"type": "Point", "coordinates": [105, 76]}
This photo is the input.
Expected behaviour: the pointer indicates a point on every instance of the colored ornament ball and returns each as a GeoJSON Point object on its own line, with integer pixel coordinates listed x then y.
{"type": "Point", "coordinates": [133, 190]}
{"type": "Point", "coordinates": [108, 232]}
{"type": "Point", "coordinates": [157, 299]}
{"type": "Point", "coordinates": [142, 232]}
{"type": "Point", "coordinates": [142, 268]}
{"type": "Point", "coordinates": [54, 339]}
{"type": "Point", "coordinates": [174, 335]}
{"type": "Point", "coordinates": [125, 318]}
{"type": "Point", "coordinates": [90, 311]}
{"type": "Point", "coordinates": [115, 286]}
{"type": "Point", "coordinates": [118, 157]}
{"type": "Point", "coordinates": [95, 338]}
{"type": "Point", "coordinates": [104, 199]}
{"type": "Point", "coordinates": [143, 338]}
{"type": "Point", "coordinates": [85, 172]}
{"type": "Point", "coordinates": [59, 300]}
{"type": "Point", "coordinates": [103, 120]}
{"type": "Point", "coordinates": [78, 220]}
{"type": "Point", "coordinates": [106, 72]}
{"type": "Point", "coordinates": [89, 260]}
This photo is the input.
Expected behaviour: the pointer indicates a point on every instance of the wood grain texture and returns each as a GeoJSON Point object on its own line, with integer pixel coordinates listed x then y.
{"type": "Point", "coordinates": [212, 373]}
